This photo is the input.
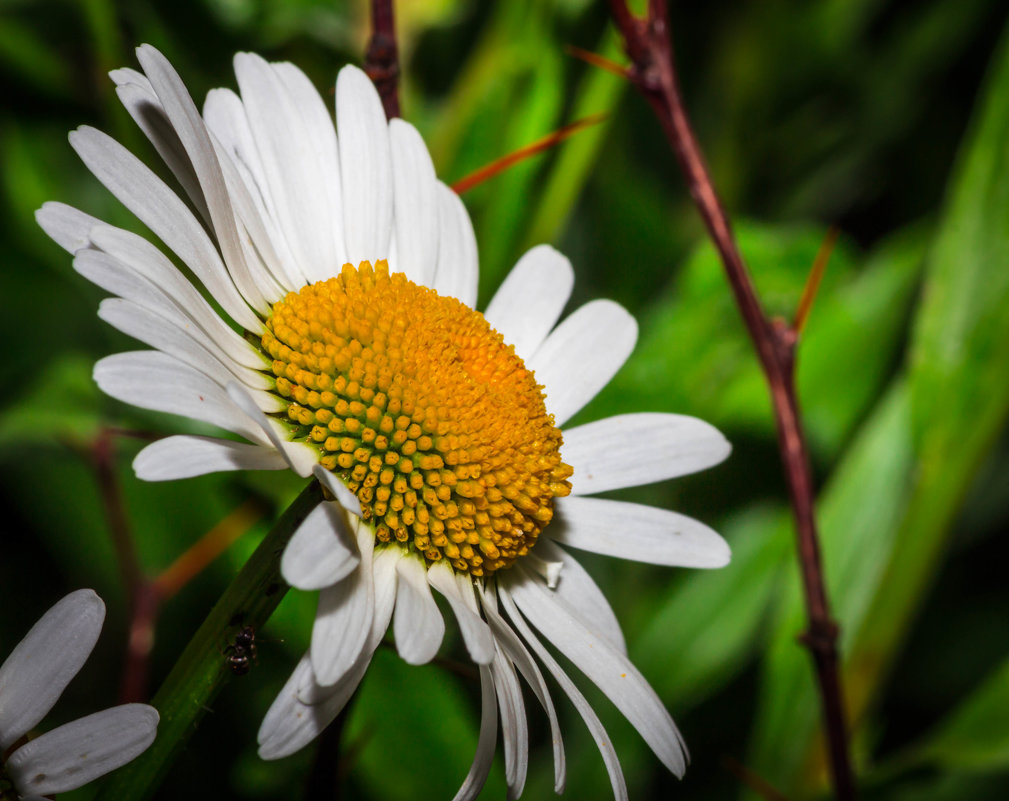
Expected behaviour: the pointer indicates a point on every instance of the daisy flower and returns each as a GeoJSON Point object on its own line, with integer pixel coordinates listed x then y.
{"type": "Point", "coordinates": [350, 273]}
{"type": "Point", "coordinates": [32, 678]}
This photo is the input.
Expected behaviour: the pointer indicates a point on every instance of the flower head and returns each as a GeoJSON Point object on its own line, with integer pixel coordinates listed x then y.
{"type": "Point", "coordinates": [436, 429]}
{"type": "Point", "coordinates": [32, 678]}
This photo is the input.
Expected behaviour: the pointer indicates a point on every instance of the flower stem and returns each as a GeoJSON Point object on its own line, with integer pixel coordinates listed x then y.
{"type": "Point", "coordinates": [649, 46]}
{"type": "Point", "coordinates": [202, 669]}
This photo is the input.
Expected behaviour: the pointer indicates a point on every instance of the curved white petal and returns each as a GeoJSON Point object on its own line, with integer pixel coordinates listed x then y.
{"type": "Point", "coordinates": [43, 663]}
{"type": "Point", "coordinates": [66, 226]}
{"type": "Point", "coordinates": [629, 450]}
{"type": "Point", "coordinates": [365, 167]}
{"type": "Point", "coordinates": [347, 499]}
{"type": "Point", "coordinates": [155, 205]}
{"type": "Point", "coordinates": [192, 132]}
{"type": "Point", "coordinates": [531, 299]}
{"type": "Point", "coordinates": [79, 752]}
{"type": "Point", "coordinates": [638, 532]}
{"type": "Point", "coordinates": [514, 726]}
{"type": "Point", "coordinates": [475, 632]}
{"type": "Point", "coordinates": [486, 743]}
{"type": "Point", "coordinates": [187, 456]}
{"type": "Point", "coordinates": [133, 253]}
{"type": "Point", "coordinates": [595, 727]}
{"type": "Point", "coordinates": [611, 671]}
{"type": "Point", "coordinates": [417, 625]}
{"type": "Point", "coordinates": [343, 620]}
{"type": "Point", "coordinates": [582, 354]}
{"type": "Point", "coordinates": [322, 551]}
{"type": "Point", "coordinates": [160, 382]}
{"type": "Point", "coordinates": [457, 273]}
{"type": "Point", "coordinates": [516, 651]}
{"type": "Point", "coordinates": [581, 595]}
{"type": "Point", "coordinates": [416, 204]}
{"type": "Point", "coordinates": [298, 152]}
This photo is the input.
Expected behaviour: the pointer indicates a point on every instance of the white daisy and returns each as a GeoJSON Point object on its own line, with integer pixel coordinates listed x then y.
{"type": "Point", "coordinates": [352, 274]}
{"type": "Point", "coordinates": [31, 680]}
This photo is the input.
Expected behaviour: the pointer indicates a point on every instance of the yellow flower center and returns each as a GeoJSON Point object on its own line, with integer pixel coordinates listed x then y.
{"type": "Point", "coordinates": [426, 414]}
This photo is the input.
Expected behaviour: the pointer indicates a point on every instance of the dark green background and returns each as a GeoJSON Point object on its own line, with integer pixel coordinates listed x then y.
{"type": "Point", "coordinates": [889, 119]}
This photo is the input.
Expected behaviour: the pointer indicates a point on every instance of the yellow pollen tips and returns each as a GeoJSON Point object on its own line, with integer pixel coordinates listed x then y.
{"type": "Point", "coordinates": [430, 419]}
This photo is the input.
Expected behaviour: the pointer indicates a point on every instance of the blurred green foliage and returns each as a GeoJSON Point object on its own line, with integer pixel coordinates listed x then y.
{"type": "Point", "coordinates": [887, 118]}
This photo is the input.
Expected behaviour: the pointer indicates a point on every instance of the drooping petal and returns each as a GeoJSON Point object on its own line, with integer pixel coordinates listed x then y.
{"type": "Point", "coordinates": [611, 671]}
{"type": "Point", "coordinates": [458, 272]}
{"type": "Point", "coordinates": [340, 491]}
{"type": "Point", "coordinates": [514, 726]}
{"type": "Point", "coordinates": [416, 204]}
{"type": "Point", "coordinates": [592, 722]}
{"type": "Point", "coordinates": [581, 595]}
{"type": "Point", "coordinates": [43, 663]}
{"type": "Point", "coordinates": [486, 742]}
{"type": "Point", "coordinates": [185, 456]}
{"type": "Point", "coordinates": [365, 167]}
{"type": "Point", "coordinates": [638, 532]}
{"type": "Point", "coordinates": [516, 651]}
{"type": "Point", "coordinates": [343, 621]}
{"type": "Point", "coordinates": [582, 354]}
{"type": "Point", "coordinates": [79, 752]}
{"type": "Point", "coordinates": [322, 551]}
{"type": "Point", "coordinates": [629, 450]}
{"type": "Point", "coordinates": [531, 299]}
{"type": "Point", "coordinates": [300, 456]}
{"type": "Point", "coordinates": [417, 625]}
{"type": "Point", "coordinates": [475, 632]}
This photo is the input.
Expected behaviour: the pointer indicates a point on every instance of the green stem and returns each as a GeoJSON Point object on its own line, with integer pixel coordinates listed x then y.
{"type": "Point", "coordinates": [202, 669]}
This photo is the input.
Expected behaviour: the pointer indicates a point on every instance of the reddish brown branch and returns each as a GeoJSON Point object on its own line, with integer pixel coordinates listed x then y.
{"type": "Point", "coordinates": [649, 45]}
{"type": "Point", "coordinates": [381, 61]}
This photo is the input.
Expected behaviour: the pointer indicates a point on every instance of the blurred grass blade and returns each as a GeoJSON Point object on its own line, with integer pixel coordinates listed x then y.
{"type": "Point", "coordinates": [201, 671]}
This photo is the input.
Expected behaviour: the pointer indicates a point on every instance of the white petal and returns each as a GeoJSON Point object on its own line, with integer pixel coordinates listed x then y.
{"type": "Point", "coordinates": [365, 167]}
{"type": "Point", "coordinates": [595, 727]}
{"type": "Point", "coordinates": [633, 449]}
{"type": "Point", "coordinates": [514, 726]}
{"type": "Point", "coordinates": [611, 671]}
{"type": "Point", "coordinates": [155, 205]}
{"type": "Point", "coordinates": [475, 632]}
{"type": "Point", "coordinates": [160, 382]}
{"type": "Point", "coordinates": [141, 101]}
{"type": "Point", "coordinates": [192, 132]}
{"type": "Point", "coordinates": [634, 531]}
{"type": "Point", "coordinates": [134, 253]}
{"type": "Point", "coordinates": [486, 743]}
{"type": "Point", "coordinates": [582, 596]}
{"type": "Point", "coordinates": [187, 456]}
{"type": "Point", "coordinates": [79, 752]}
{"type": "Point", "coordinates": [166, 330]}
{"type": "Point", "coordinates": [298, 157]}
{"type": "Point", "coordinates": [582, 354]}
{"type": "Point", "coordinates": [416, 204]}
{"type": "Point", "coordinates": [516, 651]}
{"type": "Point", "coordinates": [343, 621]}
{"type": "Point", "coordinates": [531, 299]}
{"type": "Point", "coordinates": [43, 663]}
{"type": "Point", "coordinates": [291, 724]}
{"type": "Point", "coordinates": [418, 624]}
{"type": "Point", "coordinates": [322, 551]}
{"type": "Point", "coordinates": [458, 270]}
{"type": "Point", "coordinates": [347, 499]}
{"type": "Point", "coordinates": [300, 456]}
{"type": "Point", "coordinates": [66, 226]}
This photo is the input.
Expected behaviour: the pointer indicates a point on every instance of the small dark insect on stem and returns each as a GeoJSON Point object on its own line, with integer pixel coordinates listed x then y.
{"type": "Point", "coordinates": [649, 46]}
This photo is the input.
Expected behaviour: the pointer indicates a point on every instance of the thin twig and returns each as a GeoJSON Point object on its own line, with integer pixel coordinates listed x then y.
{"type": "Point", "coordinates": [649, 45]}
{"type": "Point", "coordinates": [381, 61]}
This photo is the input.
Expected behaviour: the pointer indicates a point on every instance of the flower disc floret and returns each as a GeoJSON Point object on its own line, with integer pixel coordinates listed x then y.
{"type": "Point", "coordinates": [425, 413]}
